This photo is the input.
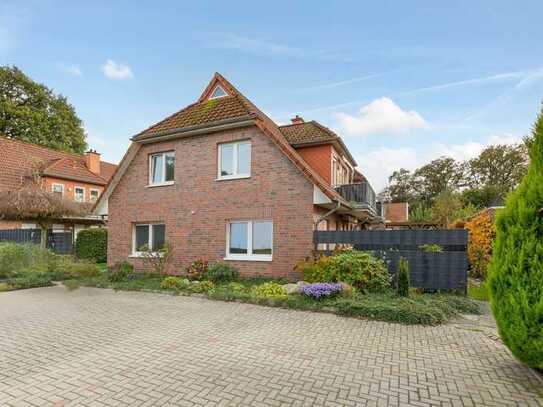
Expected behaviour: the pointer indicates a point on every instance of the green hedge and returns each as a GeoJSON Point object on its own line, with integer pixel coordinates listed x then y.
{"type": "Point", "coordinates": [92, 244]}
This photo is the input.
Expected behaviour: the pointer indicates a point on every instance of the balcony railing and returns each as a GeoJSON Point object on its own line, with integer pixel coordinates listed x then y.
{"type": "Point", "coordinates": [360, 194]}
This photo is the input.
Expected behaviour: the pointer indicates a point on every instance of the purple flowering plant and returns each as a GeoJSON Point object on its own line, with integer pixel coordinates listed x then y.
{"type": "Point", "coordinates": [321, 290]}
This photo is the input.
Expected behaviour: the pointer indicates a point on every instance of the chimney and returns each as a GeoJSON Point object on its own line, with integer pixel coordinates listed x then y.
{"type": "Point", "coordinates": [92, 161]}
{"type": "Point", "coordinates": [297, 120]}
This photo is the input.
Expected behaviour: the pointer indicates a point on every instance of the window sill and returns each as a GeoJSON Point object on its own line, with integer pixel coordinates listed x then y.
{"type": "Point", "coordinates": [232, 177]}
{"type": "Point", "coordinates": [140, 254]}
{"type": "Point", "coordinates": [162, 184]}
{"type": "Point", "coordinates": [248, 258]}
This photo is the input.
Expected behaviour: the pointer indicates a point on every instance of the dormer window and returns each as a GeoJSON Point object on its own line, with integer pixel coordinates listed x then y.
{"type": "Point", "coordinates": [218, 92]}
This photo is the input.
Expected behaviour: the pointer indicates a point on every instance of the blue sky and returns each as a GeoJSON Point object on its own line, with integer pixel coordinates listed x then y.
{"type": "Point", "coordinates": [401, 82]}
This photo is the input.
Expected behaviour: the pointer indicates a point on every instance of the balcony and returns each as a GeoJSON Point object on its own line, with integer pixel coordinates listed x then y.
{"type": "Point", "coordinates": [361, 195]}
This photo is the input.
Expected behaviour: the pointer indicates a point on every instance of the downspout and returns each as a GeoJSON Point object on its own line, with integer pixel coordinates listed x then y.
{"type": "Point", "coordinates": [321, 218]}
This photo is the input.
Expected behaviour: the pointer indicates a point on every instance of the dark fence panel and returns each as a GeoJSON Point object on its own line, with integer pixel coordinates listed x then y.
{"type": "Point", "coordinates": [446, 270]}
{"type": "Point", "coordinates": [60, 243]}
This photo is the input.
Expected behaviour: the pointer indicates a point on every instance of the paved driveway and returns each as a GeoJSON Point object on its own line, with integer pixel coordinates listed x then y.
{"type": "Point", "coordinates": [93, 347]}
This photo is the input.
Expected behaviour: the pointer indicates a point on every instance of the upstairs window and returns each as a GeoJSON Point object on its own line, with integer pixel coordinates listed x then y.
{"type": "Point", "coordinates": [250, 240]}
{"type": "Point", "coordinates": [79, 194]}
{"type": "Point", "coordinates": [148, 237]}
{"type": "Point", "coordinates": [58, 190]}
{"type": "Point", "coordinates": [235, 160]}
{"type": "Point", "coordinates": [162, 168]}
{"type": "Point", "coordinates": [218, 92]}
{"type": "Point", "coordinates": [94, 195]}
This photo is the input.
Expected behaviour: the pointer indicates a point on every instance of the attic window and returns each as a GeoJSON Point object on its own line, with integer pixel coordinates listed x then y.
{"type": "Point", "coordinates": [218, 93]}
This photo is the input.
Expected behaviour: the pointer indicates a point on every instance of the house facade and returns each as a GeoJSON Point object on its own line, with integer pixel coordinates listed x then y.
{"type": "Point", "coordinates": [220, 181]}
{"type": "Point", "coordinates": [79, 178]}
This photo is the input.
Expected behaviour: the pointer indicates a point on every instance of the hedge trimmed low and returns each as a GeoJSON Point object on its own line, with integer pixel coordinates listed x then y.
{"type": "Point", "coordinates": [91, 244]}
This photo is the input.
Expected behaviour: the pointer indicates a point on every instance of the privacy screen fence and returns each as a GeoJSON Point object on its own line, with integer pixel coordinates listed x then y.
{"type": "Point", "coordinates": [431, 271]}
{"type": "Point", "coordinates": [58, 242]}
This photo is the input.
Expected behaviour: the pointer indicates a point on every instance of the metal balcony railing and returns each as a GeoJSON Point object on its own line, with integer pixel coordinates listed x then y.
{"type": "Point", "coordinates": [359, 194]}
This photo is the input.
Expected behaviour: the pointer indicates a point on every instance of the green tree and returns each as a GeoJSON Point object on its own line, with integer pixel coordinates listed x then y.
{"type": "Point", "coordinates": [516, 271]}
{"type": "Point", "coordinates": [400, 186]}
{"type": "Point", "coordinates": [31, 112]}
{"type": "Point", "coordinates": [498, 168]}
{"type": "Point", "coordinates": [440, 175]}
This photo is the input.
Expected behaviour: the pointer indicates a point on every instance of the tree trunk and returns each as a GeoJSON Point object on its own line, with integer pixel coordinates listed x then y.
{"type": "Point", "coordinates": [43, 237]}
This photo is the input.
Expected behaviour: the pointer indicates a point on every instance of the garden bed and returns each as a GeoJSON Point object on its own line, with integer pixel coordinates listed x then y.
{"type": "Point", "coordinates": [423, 309]}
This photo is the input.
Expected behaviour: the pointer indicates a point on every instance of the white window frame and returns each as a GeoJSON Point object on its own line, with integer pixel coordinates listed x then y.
{"type": "Point", "coordinates": [249, 256]}
{"type": "Point", "coordinates": [163, 182]}
{"type": "Point", "coordinates": [218, 97]}
{"type": "Point", "coordinates": [97, 194]}
{"type": "Point", "coordinates": [53, 185]}
{"type": "Point", "coordinates": [75, 196]}
{"type": "Point", "coordinates": [235, 160]}
{"type": "Point", "coordinates": [149, 243]}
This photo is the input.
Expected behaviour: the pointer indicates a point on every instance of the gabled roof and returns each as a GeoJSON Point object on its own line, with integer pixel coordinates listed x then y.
{"type": "Point", "coordinates": [208, 113]}
{"type": "Point", "coordinates": [21, 160]}
{"type": "Point", "coordinates": [312, 133]}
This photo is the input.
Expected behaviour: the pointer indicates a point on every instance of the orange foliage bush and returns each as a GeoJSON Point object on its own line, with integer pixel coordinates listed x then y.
{"type": "Point", "coordinates": [481, 237]}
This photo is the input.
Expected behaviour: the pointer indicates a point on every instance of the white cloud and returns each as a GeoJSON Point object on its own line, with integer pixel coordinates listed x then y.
{"type": "Point", "coordinates": [378, 164]}
{"type": "Point", "coordinates": [381, 116]}
{"type": "Point", "coordinates": [116, 71]}
{"type": "Point", "coordinates": [72, 69]}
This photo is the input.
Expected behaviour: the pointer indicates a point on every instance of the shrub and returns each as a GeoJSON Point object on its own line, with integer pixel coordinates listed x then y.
{"type": "Point", "coordinates": [431, 248]}
{"type": "Point", "coordinates": [196, 269]}
{"type": "Point", "coordinates": [268, 290]}
{"type": "Point", "coordinates": [120, 272]}
{"type": "Point", "coordinates": [221, 273]}
{"type": "Point", "coordinates": [313, 271]}
{"type": "Point", "coordinates": [174, 283]}
{"type": "Point", "coordinates": [71, 268]}
{"type": "Point", "coordinates": [201, 286]}
{"type": "Point", "coordinates": [229, 292]}
{"type": "Point", "coordinates": [403, 278]}
{"type": "Point", "coordinates": [321, 290]}
{"type": "Point", "coordinates": [481, 238]}
{"type": "Point", "coordinates": [359, 269]}
{"type": "Point", "coordinates": [91, 244]}
{"type": "Point", "coordinates": [516, 272]}
{"type": "Point", "coordinates": [29, 281]}
{"type": "Point", "coordinates": [17, 259]}
{"type": "Point", "coordinates": [5, 287]}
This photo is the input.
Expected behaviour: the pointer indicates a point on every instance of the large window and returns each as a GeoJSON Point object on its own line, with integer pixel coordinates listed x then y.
{"type": "Point", "coordinates": [148, 237]}
{"type": "Point", "coordinates": [235, 160]}
{"type": "Point", "coordinates": [250, 240]}
{"type": "Point", "coordinates": [162, 168]}
{"type": "Point", "coordinates": [79, 194]}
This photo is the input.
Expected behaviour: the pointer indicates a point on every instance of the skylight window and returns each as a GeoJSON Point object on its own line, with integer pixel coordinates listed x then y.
{"type": "Point", "coordinates": [218, 93]}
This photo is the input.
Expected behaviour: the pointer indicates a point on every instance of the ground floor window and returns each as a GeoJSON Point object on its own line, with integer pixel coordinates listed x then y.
{"type": "Point", "coordinates": [148, 237]}
{"type": "Point", "coordinates": [250, 240]}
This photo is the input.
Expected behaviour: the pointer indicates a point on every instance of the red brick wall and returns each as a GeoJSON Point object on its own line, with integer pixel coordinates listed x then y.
{"type": "Point", "coordinates": [320, 159]}
{"type": "Point", "coordinates": [396, 211]}
{"type": "Point", "coordinates": [10, 224]}
{"type": "Point", "coordinates": [197, 208]}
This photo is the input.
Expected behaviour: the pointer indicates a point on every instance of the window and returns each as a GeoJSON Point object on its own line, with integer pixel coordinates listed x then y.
{"type": "Point", "coordinates": [218, 92]}
{"type": "Point", "coordinates": [148, 236]}
{"type": "Point", "coordinates": [58, 190]}
{"type": "Point", "coordinates": [79, 194]}
{"type": "Point", "coordinates": [250, 240]}
{"type": "Point", "coordinates": [94, 195]}
{"type": "Point", "coordinates": [235, 160]}
{"type": "Point", "coordinates": [162, 168]}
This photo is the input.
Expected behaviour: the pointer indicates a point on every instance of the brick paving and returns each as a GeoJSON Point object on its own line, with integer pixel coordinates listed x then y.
{"type": "Point", "coordinates": [93, 347]}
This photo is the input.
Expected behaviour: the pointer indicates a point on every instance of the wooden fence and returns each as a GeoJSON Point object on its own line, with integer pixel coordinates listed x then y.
{"type": "Point", "coordinates": [58, 242]}
{"type": "Point", "coordinates": [431, 271]}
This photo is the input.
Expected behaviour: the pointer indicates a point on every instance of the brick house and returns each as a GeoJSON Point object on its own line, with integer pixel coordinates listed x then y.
{"type": "Point", "coordinates": [81, 178]}
{"type": "Point", "coordinates": [221, 181]}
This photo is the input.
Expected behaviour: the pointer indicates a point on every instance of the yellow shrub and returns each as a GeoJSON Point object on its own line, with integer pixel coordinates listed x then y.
{"type": "Point", "coordinates": [481, 237]}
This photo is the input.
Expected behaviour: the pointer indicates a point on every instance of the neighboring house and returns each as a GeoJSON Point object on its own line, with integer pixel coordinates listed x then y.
{"type": "Point", "coordinates": [220, 180]}
{"type": "Point", "coordinates": [395, 212]}
{"type": "Point", "coordinates": [81, 178]}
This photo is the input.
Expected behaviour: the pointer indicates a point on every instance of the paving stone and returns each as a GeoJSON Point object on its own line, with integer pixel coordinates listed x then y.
{"type": "Point", "coordinates": [93, 347]}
